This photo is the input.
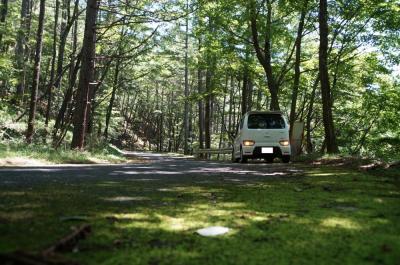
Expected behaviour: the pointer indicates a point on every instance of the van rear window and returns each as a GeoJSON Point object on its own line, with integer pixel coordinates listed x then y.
{"type": "Point", "coordinates": [265, 121]}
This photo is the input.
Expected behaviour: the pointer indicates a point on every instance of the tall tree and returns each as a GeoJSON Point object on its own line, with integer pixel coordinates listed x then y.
{"type": "Point", "coordinates": [52, 67]}
{"type": "Point", "coordinates": [36, 73]}
{"type": "Point", "coordinates": [297, 67]}
{"type": "Point", "coordinates": [186, 114]}
{"type": "Point", "coordinates": [210, 61]}
{"type": "Point", "coordinates": [85, 76]}
{"type": "Point", "coordinates": [200, 102]}
{"type": "Point", "coordinates": [20, 49]}
{"type": "Point", "coordinates": [3, 16]}
{"type": "Point", "coordinates": [113, 93]}
{"type": "Point", "coordinates": [264, 55]}
{"type": "Point", "coordinates": [330, 137]}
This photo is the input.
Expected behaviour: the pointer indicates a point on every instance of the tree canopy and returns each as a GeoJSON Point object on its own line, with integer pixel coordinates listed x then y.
{"type": "Point", "coordinates": [177, 75]}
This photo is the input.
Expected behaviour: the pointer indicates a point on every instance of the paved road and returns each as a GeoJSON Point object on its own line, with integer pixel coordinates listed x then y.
{"type": "Point", "coordinates": [154, 167]}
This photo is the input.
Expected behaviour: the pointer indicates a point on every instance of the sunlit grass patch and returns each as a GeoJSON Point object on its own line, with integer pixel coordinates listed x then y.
{"type": "Point", "coordinates": [15, 154]}
{"type": "Point", "coordinates": [336, 222]}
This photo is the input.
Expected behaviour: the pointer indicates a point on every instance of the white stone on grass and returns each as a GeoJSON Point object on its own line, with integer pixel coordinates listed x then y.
{"type": "Point", "coordinates": [213, 231]}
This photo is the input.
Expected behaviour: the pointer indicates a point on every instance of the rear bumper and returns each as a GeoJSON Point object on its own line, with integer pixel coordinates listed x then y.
{"type": "Point", "coordinates": [255, 151]}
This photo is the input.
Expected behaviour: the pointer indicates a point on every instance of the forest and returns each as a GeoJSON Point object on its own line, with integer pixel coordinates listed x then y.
{"type": "Point", "coordinates": [119, 119]}
{"type": "Point", "coordinates": [176, 76]}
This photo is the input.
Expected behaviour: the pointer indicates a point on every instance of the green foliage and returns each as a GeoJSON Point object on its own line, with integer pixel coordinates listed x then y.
{"type": "Point", "coordinates": [149, 101]}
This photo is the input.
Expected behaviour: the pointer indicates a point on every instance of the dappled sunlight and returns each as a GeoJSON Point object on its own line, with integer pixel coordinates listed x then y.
{"type": "Point", "coordinates": [381, 221]}
{"type": "Point", "coordinates": [235, 180]}
{"type": "Point", "coordinates": [165, 190]}
{"type": "Point", "coordinates": [205, 182]}
{"type": "Point", "coordinates": [109, 184]}
{"type": "Point", "coordinates": [192, 217]}
{"type": "Point", "coordinates": [237, 171]}
{"type": "Point", "coordinates": [13, 193]}
{"type": "Point", "coordinates": [152, 172]}
{"type": "Point", "coordinates": [273, 174]}
{"type": "Point", "coordinates": [219, 170]}
{"type": "Point", "coordinates": [140, 167]}
{"type": "Point", "coordinates": [344, 223]}
{"type": "Point", "coordinates": [394, 192]}
{"type": "Point", "coordinates": [144, 179]}
{"type": "Point", "coordinates": [318, 174]}
{"type": "Point", "coordinates": [126, 199]}
{"type": "Point", "coordinates": [171, 223]}
{"type": "Point", "coordinates": [194, 189]}
{"type": "Point", "coordinates": [232, 205]}
{"type": "Point", "coordinates": [28, 206]}
{"type": "Point", "coordinates": [14, 216]}
{"type": "Point", "coordinates": [156, 211]}
{"type": "Point", "coordinates": [327, 174]}
{"type": "Point", "coordinates": [126, 216]}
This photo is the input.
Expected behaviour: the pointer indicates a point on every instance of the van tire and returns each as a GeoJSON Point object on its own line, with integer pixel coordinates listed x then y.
{"type": "Point", "coordinates": [242, 159]}
{"type": "Point", "coordinates": [285, 159]}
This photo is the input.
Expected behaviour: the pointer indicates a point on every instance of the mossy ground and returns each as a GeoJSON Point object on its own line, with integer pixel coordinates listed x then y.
{"type": "Point", "coordinates": [327, 216]}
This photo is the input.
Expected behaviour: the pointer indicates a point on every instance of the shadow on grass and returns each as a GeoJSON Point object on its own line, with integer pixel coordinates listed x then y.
{"type": "Point", "coordinates": [149, 214]}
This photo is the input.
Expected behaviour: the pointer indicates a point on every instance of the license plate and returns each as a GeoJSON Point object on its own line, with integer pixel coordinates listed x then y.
{"type": "Point", "coordinates": [267, 150]}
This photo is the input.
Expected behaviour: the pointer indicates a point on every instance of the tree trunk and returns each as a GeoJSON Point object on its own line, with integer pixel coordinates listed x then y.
{"type": "Point", "coordinates": [60, 120]}
{"type": "Point", "coordinates": [65, 29]}
{"type": "Point", "coordinates": [245, 86]}
{"type": "Point", "coordinates": [330, 138]}
{"type": "Point", "coordinates": [90, 114]}
{"type": "Point", "coordinates": [112, 99]}
{"type": "Point", "coordinates": [231, 88]}
{"type": "Point", "coordinates": [161, 124]}
{"type": "Point", "coordinates": [222, 112]}
{"type": "Point", "coordinates": [264, 55]}
{"type": "Point", "coordinates": [250, 86]}
{"type": "Point", "coordinates": [20, 50]}
{"type": "Point", "coordinates": [297, 68]}
{"type": "Point", "coordinates": [36, 74]}
{"type": "Point", "coordinates": [207, 114]}
{"type": "Point", "coordinates": [73, 73]}
{"type": "Point", "coordinates": [309, 144]}
{"type": "Point", "coordinates": [3, 17]}
{"type": "Point", "coordinates": [259, 98]}
{"type": "Point", "coordinates": [53, 60]}
{"type": "Point", "coordinates": [170, 122]}
{"type": "Point", "coordinates": [201, 107]}
{"type": "Point", "coordinates": [186, 92]}
{"type": "Point", "coordinates": [85, 76]}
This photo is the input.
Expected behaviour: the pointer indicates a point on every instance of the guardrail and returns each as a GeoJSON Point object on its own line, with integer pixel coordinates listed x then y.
{"type": "Point", "coordinates": [213, 151]}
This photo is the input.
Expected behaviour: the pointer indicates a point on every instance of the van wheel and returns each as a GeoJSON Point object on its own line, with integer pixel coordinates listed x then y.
{"type": "Point", "coordinates": [233, 158]}
{"type": "Point", "coordinates": [243, 159]}
{"type": "Point", "coordinates": [285, 159]}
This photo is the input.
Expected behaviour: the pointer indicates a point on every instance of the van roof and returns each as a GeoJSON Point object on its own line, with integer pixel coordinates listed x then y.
{"type": "Point", "coordinates": [264, 112]}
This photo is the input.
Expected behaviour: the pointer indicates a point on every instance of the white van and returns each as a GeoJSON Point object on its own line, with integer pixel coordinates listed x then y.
{"type": "Point", "coordinates": [262, 134]}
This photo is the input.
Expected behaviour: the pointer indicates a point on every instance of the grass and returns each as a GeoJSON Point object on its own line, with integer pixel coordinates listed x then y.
{"type": "Point", "coordinates": [327, 216]}
{"type": "Point", "coordinates": [17, 154]}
